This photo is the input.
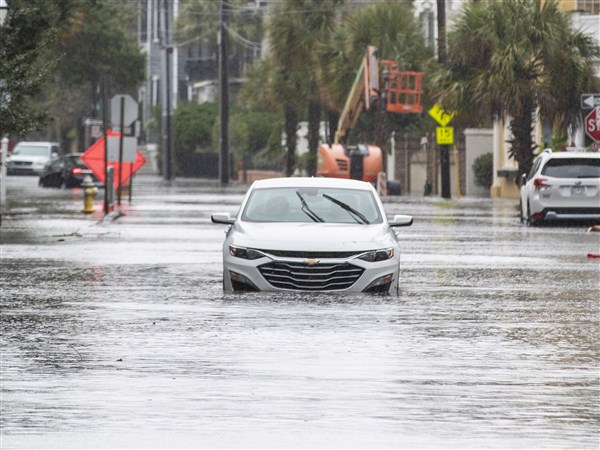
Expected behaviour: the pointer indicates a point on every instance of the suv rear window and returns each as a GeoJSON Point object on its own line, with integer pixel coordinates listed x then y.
{"type": "Point", "coordinates": [572, 168]}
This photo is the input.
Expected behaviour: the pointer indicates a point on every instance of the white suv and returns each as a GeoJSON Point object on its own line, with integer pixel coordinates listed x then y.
{"type": "Point", "coordinates": [29, 158]}
{"type": "Point", "coordinates": [562, 186]}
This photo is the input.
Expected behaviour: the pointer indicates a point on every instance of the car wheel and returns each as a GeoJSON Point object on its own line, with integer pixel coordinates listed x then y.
{"type": "Point", "coordinates": [530, 220]}
{"type": "Point", "coordinates": [521, 216]}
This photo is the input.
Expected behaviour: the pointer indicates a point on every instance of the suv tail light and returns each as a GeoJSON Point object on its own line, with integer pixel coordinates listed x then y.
{"type": "Point", "coordinates": [540, 183]}
{"type": "Point", "coordinates": [76, 170]}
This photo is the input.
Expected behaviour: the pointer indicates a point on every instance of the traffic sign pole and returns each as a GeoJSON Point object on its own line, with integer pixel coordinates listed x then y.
{"type": "Point", "coordinates": [105, 135]}
{"type": "Point", "coordinates": [121, 136]}
{"type": "Point", "coordinates": [443, 118]}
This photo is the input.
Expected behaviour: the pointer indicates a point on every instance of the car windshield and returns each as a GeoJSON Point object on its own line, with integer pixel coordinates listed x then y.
{"type": "Point", "coordinates": [301, 204]}
{"type": "Point", "coordinates": [31, 150]}
{"type": "Point", "coordinates": [572, 168]}
{"type": "Point", "coordinates": [76, 160]}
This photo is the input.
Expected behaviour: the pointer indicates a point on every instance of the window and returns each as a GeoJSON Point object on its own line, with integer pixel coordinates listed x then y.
{"type": "Point", "coordinates": [286, 205]}
{"type": "Point", "coordinates": [589, 6]}
{"type": "Point", "coordinates": [572, 168]}
{"type": "Point", "coordinates": [155, 90]}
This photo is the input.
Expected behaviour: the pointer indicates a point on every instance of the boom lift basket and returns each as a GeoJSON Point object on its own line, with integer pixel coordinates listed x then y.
{"type": "Point", "coordinates": [402, 89]}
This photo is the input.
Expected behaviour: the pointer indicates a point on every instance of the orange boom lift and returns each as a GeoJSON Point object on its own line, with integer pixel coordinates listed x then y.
{"type": "Point", "coordinates": [397, 92]}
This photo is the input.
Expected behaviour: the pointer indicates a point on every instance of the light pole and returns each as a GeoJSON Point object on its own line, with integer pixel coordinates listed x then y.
{"type": "Point", "coordinates": [3, 139]}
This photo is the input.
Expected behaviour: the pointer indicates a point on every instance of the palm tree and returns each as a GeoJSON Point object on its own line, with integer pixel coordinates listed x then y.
{"type": "Point", "coordinates": [513, 58]}
{"type": "Point", "coordinates": [389, 26]}
{"type": "Point", "coordinates": [296, 29]}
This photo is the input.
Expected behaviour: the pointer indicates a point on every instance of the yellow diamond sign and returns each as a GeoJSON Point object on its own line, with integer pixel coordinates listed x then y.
{"type": "Point", "coordinates": [440, 116]}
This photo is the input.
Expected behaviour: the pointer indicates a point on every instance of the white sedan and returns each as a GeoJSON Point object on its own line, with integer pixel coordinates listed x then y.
{"type": "Point", "coordinates": [562, 186]}
{"type": "Point", "coordinates": [311, 234]}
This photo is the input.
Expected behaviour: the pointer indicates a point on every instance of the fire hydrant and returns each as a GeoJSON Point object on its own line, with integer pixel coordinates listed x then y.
{"type": "Point", "coordinates": [89, 192]}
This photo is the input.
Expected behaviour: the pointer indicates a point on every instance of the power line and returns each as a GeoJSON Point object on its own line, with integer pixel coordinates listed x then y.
{"type": "Point", "coordinates": [250, 45]}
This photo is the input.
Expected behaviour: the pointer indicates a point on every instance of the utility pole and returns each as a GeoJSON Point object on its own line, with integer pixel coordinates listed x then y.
{"type": "Point", "coordinates": [443, 59]}
{"type": "Point", "coordinates": [167, 107]}
{"type": "Point", "coordinates": [223, 97]}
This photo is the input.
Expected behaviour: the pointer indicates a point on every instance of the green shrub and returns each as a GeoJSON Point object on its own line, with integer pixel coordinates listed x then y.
{"type": "Point", "coordinates": [192, 125]}
{"type": "Point", "coordinates": [483, 169]}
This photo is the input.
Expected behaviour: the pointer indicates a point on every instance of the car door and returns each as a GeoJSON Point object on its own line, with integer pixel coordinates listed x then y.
{"type": "Point", "coordinates": [53, 175]}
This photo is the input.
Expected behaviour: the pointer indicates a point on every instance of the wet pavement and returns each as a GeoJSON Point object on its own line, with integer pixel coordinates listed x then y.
{"type": "Point", "coordinates": [117, 333]}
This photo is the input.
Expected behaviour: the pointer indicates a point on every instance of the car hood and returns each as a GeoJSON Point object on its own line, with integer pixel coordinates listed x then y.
{"type": "Point", "coordinates": [312, 236]}
{"type": "Point", "coordinates": [27, 158]}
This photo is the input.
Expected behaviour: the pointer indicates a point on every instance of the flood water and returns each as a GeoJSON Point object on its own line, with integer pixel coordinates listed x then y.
{"type": "Point", "coordinates": [118, 334]}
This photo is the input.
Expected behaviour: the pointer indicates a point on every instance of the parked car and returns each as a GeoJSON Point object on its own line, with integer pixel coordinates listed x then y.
{"type": "Point", "coordinates": [29, 158]}
{"type": "Point", "coordinates": [311, 234]}
{"type": "Point", "coordinates": [561, 186]}
{"type": "Point", "coordinates": [66, 171]}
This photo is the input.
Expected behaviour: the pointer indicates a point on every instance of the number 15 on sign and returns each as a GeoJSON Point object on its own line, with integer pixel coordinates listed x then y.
{"type": "Point", "coordinates": [444, 135]}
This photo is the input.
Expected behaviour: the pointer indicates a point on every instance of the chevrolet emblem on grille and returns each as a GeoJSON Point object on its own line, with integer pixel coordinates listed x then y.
{"type": "Point", "coordinates": [311, 262]}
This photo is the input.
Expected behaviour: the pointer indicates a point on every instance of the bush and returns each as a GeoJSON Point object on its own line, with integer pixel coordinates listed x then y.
{"type": "Point", "coordinates": [255, 139]}
{"type": "Point", "coordinates": [483, 169]}
{"type": "Point", "coordinates": [192, 125]}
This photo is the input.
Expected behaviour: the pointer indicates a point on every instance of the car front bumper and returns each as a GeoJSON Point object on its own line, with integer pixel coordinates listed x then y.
{"type": "Point", "coordinates": [296, 274]}
{"type": "Point", "coordinates": [22, 170]}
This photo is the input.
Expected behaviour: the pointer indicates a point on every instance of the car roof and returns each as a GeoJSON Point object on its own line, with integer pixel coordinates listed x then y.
{"type": "Point", "coordinates": [564, 155]}
{"type": "Point", "coordinates": [37, 143]}
{"type": "Point", "coordinates": [311, 182]}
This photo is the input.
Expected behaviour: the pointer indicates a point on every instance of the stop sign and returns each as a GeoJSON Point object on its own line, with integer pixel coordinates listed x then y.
{"type": "Point", "coordinates": [592, 124]}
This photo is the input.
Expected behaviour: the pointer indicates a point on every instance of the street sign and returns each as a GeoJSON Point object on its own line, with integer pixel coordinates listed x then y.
{"type": "Point", "coordinates": [129, 148]}
{"type": "Point", "coordinates": [589, 101]}
{"type": "Point", "coordinates": [444, 135]}
{"type": "Point", "coordinates": [93, 158]}
{"type": "Point", "coordinates": [440, 116]}
{"type": "Point", "coordinates": [592, 124]}
{"type": "Point", "coordinates": [130, 110]}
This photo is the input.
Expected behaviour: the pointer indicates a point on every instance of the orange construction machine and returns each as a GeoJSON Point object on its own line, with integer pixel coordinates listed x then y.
{"type": "Point", "coordinates": [396, 91]}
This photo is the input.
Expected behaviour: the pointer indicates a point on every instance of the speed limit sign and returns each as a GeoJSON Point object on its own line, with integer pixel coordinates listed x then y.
{"type": "Point", "coordinates": [444, 135]}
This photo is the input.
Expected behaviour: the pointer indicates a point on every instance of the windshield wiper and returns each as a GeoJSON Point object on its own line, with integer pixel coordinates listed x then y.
{"type": "Point", "coordinates": [356, 215]}
{"type": "Point", "coordinates": [306, 210]}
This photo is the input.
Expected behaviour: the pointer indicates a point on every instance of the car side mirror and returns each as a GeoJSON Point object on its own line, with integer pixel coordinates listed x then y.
{"type": "Point", "coordinates": [223, 218]}
{"type": "Point", "coordinates": [401, 220]}
{"type": "Point", "coordinates": [53, 155]}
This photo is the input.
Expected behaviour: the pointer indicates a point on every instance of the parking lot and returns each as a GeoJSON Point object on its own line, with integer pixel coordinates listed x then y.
{"type": "Point", "coordinates": [117, 333]}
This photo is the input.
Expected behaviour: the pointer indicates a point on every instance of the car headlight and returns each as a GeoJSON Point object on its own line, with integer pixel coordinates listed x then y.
{"type": "Point", "coordinates": [245, 253]}
{"type": "Point", "coordinates": [377, 255]}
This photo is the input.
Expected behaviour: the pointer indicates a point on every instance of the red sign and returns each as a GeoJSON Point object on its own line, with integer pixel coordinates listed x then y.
{"type": "Point", "coordinates": [592, 124]}
{"type": "Point", "coordinates": [93, 158]}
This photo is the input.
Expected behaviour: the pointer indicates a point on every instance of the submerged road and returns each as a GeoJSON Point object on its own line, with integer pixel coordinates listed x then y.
{"type": "Point", "coordinates": [117, 333]}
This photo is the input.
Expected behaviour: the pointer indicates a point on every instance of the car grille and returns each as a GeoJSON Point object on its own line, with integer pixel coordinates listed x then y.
{"type": "Point", "coordinates": [302, 254]}
{"type": "Point", "coordinates": [319, 277]}
{"type": "Point", "coordinates": [21, 163]}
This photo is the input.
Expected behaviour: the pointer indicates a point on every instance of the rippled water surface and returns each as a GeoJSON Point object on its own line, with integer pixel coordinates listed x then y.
{"type": "Point", "coordinates": [118, 334]}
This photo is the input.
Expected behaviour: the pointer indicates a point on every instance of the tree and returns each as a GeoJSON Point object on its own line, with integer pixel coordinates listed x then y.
{"type": "Point", "coordinates": [101, 47]}
{"type": "Point", "coordinates": [510, 59]}
{"type": "Point", "coordinates": [296, 29]}
{"type": "Point", "coordinates": [392, 29]}
{"type": "Point", "coordinates": [32, 27]}
{"type": "Point", "coordinates": [54, 53]}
